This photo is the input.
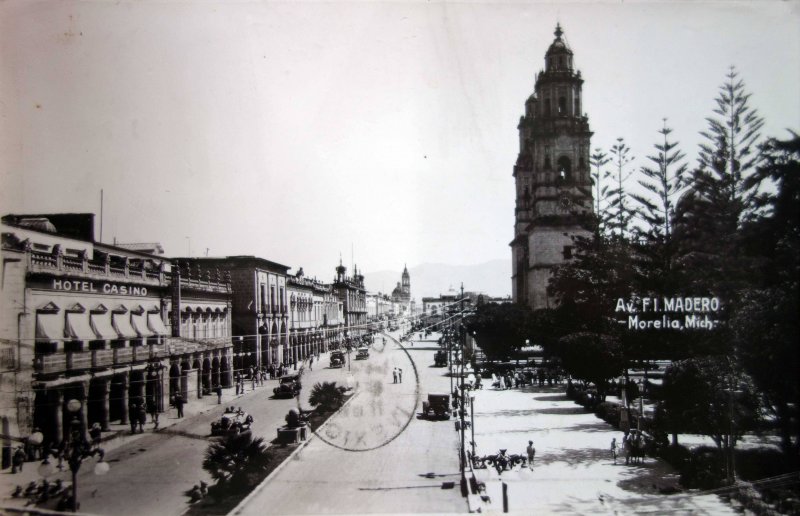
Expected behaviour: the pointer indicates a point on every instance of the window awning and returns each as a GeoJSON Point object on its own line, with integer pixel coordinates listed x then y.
{"type": "Point", "coordinates": [101, 324]}
{"type": "Point", "coordinates": [78, 326]}
{"type": "Point", "coordinates": [156, 324]}
{"type": "Point", "coordinates": [49, 327]}
{"type": "Point", "coordinates": [122, 325]}
{"type": "Point", "coordinates": [140, 324]}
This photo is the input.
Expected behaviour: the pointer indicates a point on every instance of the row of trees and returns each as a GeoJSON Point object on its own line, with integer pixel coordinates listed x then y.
{"type": "Point", "coordinates": [728, 228]}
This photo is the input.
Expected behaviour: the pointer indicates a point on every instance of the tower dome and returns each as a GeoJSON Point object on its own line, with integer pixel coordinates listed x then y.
{"type": "Point", "coordinates": [559, 56]}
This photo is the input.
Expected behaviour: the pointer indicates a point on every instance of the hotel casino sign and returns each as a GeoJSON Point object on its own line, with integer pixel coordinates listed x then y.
{"type": "Point", "coordinates": [92, 286]}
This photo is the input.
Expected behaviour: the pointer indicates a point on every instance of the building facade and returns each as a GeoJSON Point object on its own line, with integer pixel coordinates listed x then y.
{"type": "Point", "coordinates": [91, 324]}
{"type": "Point", "coordinates": [260, 308]}
{"type": "Point", "coordinates": [353, 295]}
{"type": "Point", "coordinates": [314, 324]}
{"type": "Point", "coordinates": [552, 177]}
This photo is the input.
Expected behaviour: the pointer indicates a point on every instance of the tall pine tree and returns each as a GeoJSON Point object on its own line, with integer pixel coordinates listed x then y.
{"type": "Point", "coordinates": [619, 206]}
{"type": "Point", "coordinates": [663, 180]}
{"type": "Point", "coordinates": [721, 195]}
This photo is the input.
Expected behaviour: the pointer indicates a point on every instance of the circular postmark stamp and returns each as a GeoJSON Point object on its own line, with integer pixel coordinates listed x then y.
{"type": "Point", "coordinates": [384, 400]}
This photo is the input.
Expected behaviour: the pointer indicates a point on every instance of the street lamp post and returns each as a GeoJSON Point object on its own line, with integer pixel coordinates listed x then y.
{"type": "Point", "coordinates": [75, 451]}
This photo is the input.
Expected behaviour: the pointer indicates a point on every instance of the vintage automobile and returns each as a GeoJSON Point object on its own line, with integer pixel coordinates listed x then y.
{"type": "Point", "coordinates": [437, 405]}
{"type": "Point", "coordinates": [440, 358]}
{"type": "Point", "coordinates": [233, 421]}
{"type": "Point", "coordinates": [289, 386]}
{"type": "Point", "coordinates": [362, 353]}
{"type": "Point", "coordinates": [337, 359]}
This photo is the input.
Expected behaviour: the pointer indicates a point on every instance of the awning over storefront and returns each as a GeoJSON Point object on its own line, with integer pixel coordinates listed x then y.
{"type": "Point", "coordinates": [101, 324]}
{"type": "Point", "coordinates": [139, 321]}
{"type": "Point", "coordinates": [156, 324]}
{"type": "Point", "coordinates": [122, 325]}
{"type": "Point", "coordinates": [78, 327]}
{"type": "Point", "coordinates": [49, 326]}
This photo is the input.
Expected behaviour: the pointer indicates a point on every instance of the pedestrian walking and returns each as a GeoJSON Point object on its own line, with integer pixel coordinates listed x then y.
{"type": "Point", "coordinates": [94, 434]}
{"type": "Point", "coordinates": [142, 417]}
{"type": "Point", "coordinates": [218, 390]}
{"type": "Point", "coordinates": [394, 375]}
{"type": "Point", "coordinates": [531, 453]}
{"type": "Point", "coordinates": [614, 449]}
{"type": "Point", "coordinates": [400, 374]}
{"type": "Point", "coordinates": [311, 364]}
{"type": "Point", "coordinates": [179, 404]}
{"type": "Point", "coordinates": [133, 416]}
{"type": "Point", "coordinates": [18, 459]}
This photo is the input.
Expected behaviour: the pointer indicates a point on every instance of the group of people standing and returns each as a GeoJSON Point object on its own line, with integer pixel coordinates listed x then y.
{"type": "Point", "coordinates": [397, 375]}
{"type": "Point", "coordinates": [137, 415]}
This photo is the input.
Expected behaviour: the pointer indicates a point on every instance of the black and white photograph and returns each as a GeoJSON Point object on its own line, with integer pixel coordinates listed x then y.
{"type": "Point", "coordinates": [270, 257]}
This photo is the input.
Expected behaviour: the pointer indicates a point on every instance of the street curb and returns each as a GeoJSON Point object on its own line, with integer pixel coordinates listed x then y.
{"type": "Point", "coordinates": [240, 507]}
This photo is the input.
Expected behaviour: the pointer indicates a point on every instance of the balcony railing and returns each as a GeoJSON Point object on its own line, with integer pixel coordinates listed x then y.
{"type": "Point", "coordinates": [62, 362]}
{"type": "Point", "coordinates": [60, 263]}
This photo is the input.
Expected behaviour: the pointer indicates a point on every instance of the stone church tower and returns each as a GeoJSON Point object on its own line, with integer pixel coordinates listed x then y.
{"type": "Point", "coordinates": [553, 185]}
{"type": "Point", "coordinates": [406, 282]}
{"type": "Point", "coordinates": [402, 292]}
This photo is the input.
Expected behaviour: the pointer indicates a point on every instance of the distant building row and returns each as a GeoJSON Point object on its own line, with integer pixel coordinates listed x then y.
{"type": "Point", "coordinates": [110, 324]}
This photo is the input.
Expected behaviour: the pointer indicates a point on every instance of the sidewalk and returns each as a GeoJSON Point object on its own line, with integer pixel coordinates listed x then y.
{"type": "Point", "coordinates": [573, 471]}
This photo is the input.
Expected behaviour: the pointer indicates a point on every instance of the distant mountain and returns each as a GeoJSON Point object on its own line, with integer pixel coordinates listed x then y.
{"type": "Point", "coordinates": [431, 279]}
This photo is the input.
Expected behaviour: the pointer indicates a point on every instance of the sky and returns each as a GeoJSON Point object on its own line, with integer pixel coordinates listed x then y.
{"type": "Point", "coordinates": [381, 132]}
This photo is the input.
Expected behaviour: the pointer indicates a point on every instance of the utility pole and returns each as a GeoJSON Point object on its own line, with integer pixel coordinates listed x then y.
{"type": "Point", "coordinates": [462, 337]}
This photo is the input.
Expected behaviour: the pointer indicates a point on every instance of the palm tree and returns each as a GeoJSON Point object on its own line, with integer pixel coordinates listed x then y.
{"type": "Point", "coordinates": [326, 396]}
{"type": "Point", "coordinates": [237, 460]}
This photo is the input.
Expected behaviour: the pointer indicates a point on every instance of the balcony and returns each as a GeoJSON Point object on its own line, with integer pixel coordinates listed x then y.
{"type": "Point", "coordinates": [63, 265]}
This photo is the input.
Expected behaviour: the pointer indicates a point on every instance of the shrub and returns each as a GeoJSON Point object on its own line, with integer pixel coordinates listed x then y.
{"type": "Point", "coordinates": [237, 461]}
{"type": "Point", "coordinates": [705, 469]}
{"type": "Point", "coordinates": [608, 411]}
{"type": "Point", "coordinates": [326, 396]}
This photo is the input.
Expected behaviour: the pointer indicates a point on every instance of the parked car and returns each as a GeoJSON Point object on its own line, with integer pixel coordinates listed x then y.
{"type": "Point", "coordinates": [440, 358]}
{"type": "Point", "coordinates": [337, 359]}
{"type": "Point", "coordinates": [362, 353]}
{"type": "Point", "coordinates": [289, 386]}
{"type": "Point", "coordinates": [437, 405]}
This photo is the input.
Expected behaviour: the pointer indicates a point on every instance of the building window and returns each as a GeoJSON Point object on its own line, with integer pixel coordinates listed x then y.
{"type": "Point", "coordinates": [564, 169]}
{"type": "Point", "coordinates": [562, 106]}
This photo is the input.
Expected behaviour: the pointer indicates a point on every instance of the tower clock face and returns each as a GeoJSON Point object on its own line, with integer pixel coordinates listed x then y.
{"type": "Point", "coordinates": [565, 202]}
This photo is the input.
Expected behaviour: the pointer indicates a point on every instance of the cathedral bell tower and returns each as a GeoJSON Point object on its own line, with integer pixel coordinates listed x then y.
{"type": "Point", "coordinates": [553, 185]}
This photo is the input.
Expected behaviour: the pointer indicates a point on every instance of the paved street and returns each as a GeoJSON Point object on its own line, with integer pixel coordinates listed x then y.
{"type": "Point", "coordinates": [404, 475]}
{"type": "Point", "coordinates": [573, 472]}
{"type": "Point", "coordinates": [150, 472]}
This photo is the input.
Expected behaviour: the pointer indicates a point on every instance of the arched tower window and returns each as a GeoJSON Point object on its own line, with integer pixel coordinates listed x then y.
{"type": "Point", "coordinates": [577, 106]}
{"type": "Point", "coordinates": [564, 169]}
{"type": "Point", "coordinates": [547, 111]}
{"type": "Point", "coordinates": [562, 106]}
